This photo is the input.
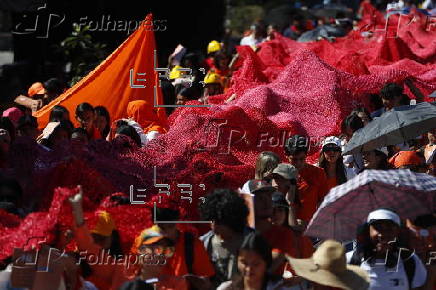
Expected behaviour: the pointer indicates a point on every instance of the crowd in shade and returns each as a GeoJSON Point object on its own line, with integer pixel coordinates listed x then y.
{"type": "Point", "coordinates": [355, 209]}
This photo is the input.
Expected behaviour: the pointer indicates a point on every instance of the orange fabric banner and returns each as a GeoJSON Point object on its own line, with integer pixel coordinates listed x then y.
{"type": "Point", "coordinates": [118, 80]}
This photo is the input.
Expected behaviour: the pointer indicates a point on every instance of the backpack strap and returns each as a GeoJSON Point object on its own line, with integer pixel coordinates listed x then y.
{"type": "Point", "coordinates": [189, 251]}
{"type": "Point", "coordinates": [409, 265]}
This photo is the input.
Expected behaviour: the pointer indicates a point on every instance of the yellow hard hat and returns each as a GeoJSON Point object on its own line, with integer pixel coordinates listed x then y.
{"type": "Point", "coordinates": [213, 46]}
{"type": "Point", "coordinates": [212, 78]}
{"type": "Point", "coordinates": [175, 72]}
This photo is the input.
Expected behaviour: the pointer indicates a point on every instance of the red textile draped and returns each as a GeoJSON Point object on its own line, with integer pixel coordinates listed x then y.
{"type": "Point", "coordinates": [284, 88]}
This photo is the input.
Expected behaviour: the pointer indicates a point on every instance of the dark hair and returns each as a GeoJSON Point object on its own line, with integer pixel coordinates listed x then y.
{"type": "Point", "coordinates": [103, 112]}
{"type": "Point", "coordinates": [63, 126]}
{"type": "Point", "coordinates": [193, 58]}
{"type": "Point", "coordinates": [189, 93]}
{"type": "Point", "coordinates": [166, 214]}
{"type": "Point", "coordinates": [178, 88]}
{"type": "Point", "coordinates": [27, 121]}
{"type": "Point", "coordinates": [136, 284]}
{"type": "Point", "coordinates": [54, 86]}
{"type": "Point", "coordinates": [362, 110]}
{"type": "Point", "coordinates": [353, 122]}
{"type": "Point", "coordinates": [256, 243]}
{"type": "Point", "coordinates": [425, 221]}
{"type": "Point", "coordinates": [375, 101]}
{"type": "Point", "coordinates": [225, 207]}
{"type": "Point", "coordinates": [217, 59]}
{"type": "Point", "coordinates": [57, 113]}
{"type": "Point", "coordinates": [6, 123]}
{"type": "Point", "coordinates": [391, 91]}
{"type": "Point", "coordinates": [130, 132]}
{"type": "Point", "coordinates": [115, 248]}
{"type": "Point", "coordinates": [82, 108]}
{"type": "Point", "coordinates": [384, 165]}
{"type": "Point", "coordinates": [169, 94]}
{"type": "Point", "coordinates": [296, 144]}
{"type": "Point", "coordinates": [13, 185]}
{"type": "Point", "coordinates": [341, 175]}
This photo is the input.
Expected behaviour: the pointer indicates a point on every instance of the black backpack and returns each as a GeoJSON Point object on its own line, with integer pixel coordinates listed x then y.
{"type": "Point", "coordinates": [406, 257]}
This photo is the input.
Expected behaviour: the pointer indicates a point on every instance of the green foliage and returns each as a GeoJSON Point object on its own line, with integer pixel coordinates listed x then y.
{"type": "Point", "coordinates": [241, 17]}
{"type": "Point", "coordinates": [82, 52]}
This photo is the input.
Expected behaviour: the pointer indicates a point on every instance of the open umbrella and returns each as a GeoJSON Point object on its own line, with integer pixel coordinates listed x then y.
{"type": "Point", "coordinates": [347, 206]}
{"type": "Point", "coordinates": [393, 127]}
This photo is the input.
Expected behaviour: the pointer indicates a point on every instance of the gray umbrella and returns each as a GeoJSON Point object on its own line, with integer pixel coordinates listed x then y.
{"type": "Point", "coordinates": [393, 127]}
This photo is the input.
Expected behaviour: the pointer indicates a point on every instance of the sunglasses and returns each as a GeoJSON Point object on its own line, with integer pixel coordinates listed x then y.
{"type": "Point", "coordinates": [331, 149]}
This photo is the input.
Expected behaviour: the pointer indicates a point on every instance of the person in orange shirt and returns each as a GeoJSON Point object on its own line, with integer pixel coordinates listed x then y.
{"type": "Point", "coordinates": [280, 238]}
{"type": "Point", "coordinates": [144, 114]}
{"type": "Point", "coordinates": [332, 162]}
{"type": "Point", "coordinates": [100, 247]}
{"type": "Point", "coordinates": [190, 259]}
{"type": "Point", "coordinates": [153, 250]}
{"type": "Point", "coordinates": [312, 180]}
{"type": "Point", "coordinates": [85, 115]}
{"type": "Point", "coordinates": [285, 200]}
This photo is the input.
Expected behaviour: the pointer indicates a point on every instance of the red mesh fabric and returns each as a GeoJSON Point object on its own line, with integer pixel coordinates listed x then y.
{"type": "Point", "coordinates": [283, 89]}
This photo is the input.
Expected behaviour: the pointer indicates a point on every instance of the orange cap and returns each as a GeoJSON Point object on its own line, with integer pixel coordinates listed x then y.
{"type": "Point", "coordinates": [404, 158]}
{"type": "Point", "coordinates": [105, 224]}
{"type": "Point", "coordinates": [36, 89]}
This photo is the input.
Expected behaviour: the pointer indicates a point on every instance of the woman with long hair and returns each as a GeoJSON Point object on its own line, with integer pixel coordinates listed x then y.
{"type": "Point", "coordinates": [265, 164]}
{"type": "Point", "coordinates": [254, 260]}
{"type": "Point", "coordinates": [102, 120]}
{"type": "Point", "coordinates": [332, 162]}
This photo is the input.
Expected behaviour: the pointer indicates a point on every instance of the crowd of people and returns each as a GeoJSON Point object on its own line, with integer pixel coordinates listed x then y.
{"type": "Point", "coordinates": [256, 239]}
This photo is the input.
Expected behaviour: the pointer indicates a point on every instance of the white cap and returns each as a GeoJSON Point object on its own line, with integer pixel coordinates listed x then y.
{"type": "Point", "coordinates": [332, 140]}
{"type": "Point", "coordinates": [383, 214]}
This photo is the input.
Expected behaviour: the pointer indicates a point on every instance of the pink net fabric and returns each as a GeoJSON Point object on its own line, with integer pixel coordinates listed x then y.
{"type": "Point", "coordinates": [284, 88]}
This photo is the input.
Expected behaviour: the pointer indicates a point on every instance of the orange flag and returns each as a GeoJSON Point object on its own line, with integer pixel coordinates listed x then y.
{"type": "Point", "coordinates": [126, 75]}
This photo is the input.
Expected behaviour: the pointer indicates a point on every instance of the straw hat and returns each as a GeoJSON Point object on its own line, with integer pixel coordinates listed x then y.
{"type": "Point", "coordinates": [328, 267]}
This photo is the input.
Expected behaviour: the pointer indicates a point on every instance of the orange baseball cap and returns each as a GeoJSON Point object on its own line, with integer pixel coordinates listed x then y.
{"type": "Point", "coordinates": [36, 89]}
{"type": "Point", "coordinates": [405, 158]}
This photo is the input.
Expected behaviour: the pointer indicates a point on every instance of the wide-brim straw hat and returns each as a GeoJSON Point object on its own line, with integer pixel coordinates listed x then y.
{"type": "Point", "coordinates": [328, 266]}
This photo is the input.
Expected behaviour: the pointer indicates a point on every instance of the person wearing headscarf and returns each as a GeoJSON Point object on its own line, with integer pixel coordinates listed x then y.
{"type": "Point", "coordinates": [143, 113]}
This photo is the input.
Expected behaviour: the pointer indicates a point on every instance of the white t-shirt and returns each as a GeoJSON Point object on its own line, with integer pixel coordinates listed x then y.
{"type": "Point", "coordinates": [395, 278]}
{"type": "Point", "coordinates": [251, 41]}
{"type": "Point", "coordinates": [145, 138]}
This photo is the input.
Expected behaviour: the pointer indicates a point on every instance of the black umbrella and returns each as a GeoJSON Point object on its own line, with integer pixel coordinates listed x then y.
{"type": "Point", "coordinates": [393, 127]}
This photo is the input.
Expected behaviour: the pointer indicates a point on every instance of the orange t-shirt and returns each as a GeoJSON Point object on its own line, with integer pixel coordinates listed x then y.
{"type": "Point", "coordinates": [282, 240]}
{"type": "Point", "coordinates": [331, 182]}
{"type": "Point", "coordinates": [312, 187]}
{"type": "Point", "coordinates": [176, 265]}
{"type": "Point", "coordinates": [105, 273]}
